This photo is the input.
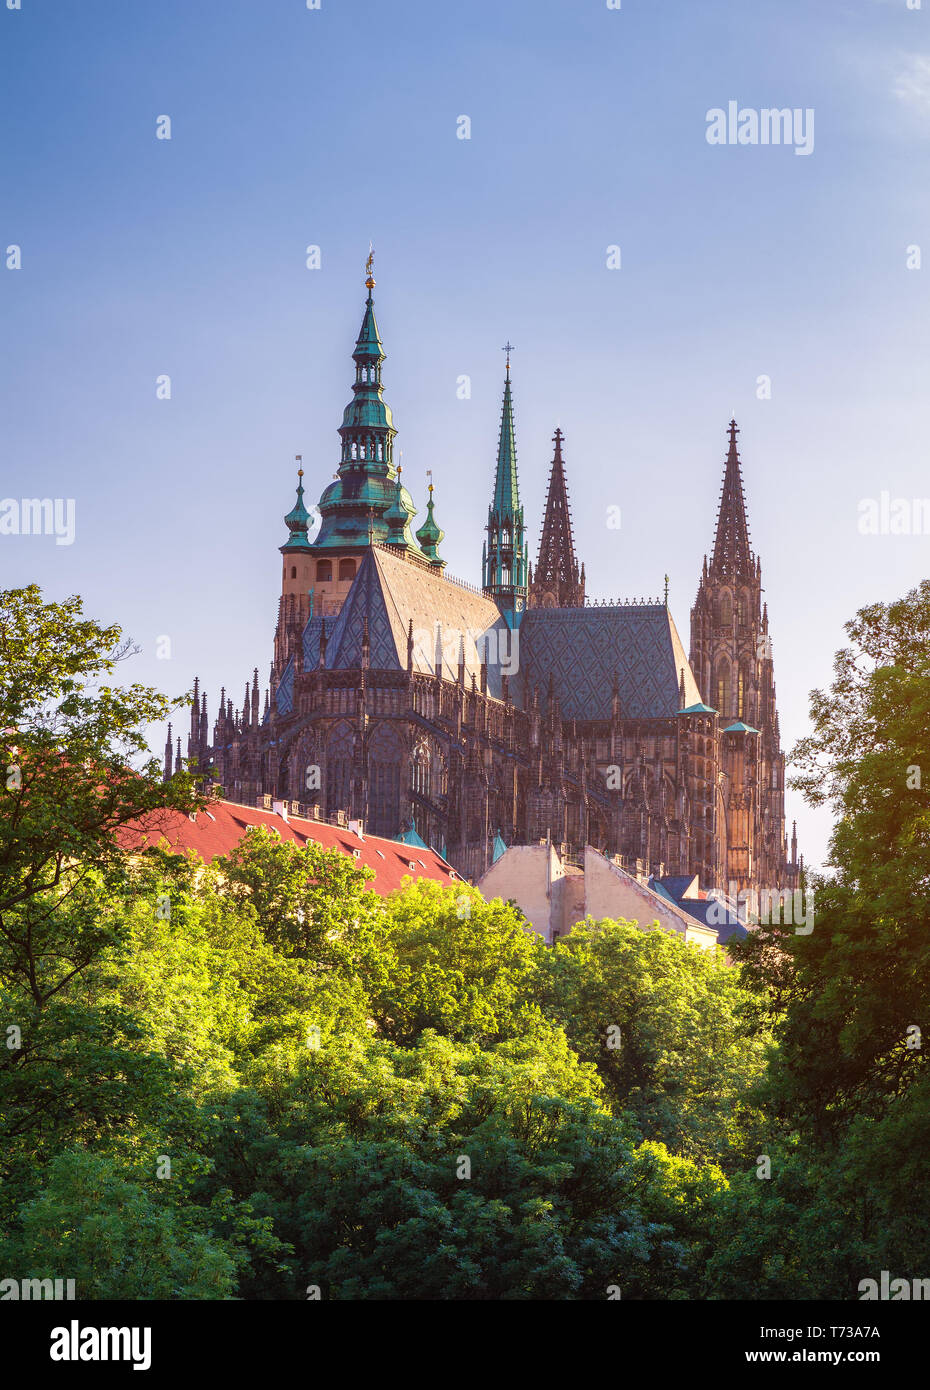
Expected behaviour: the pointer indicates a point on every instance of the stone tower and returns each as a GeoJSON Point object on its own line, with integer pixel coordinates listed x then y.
{"type": "Point", "coordinates": [365, 502]}
{"type": "Point", "coordinates": [731, 656]}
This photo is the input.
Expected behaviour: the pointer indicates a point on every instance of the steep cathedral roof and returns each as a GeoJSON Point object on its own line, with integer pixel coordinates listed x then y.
{"type": "Point", "coordinates": [397, 595]}
{"type": "Point", "coordinates": [586, 649]}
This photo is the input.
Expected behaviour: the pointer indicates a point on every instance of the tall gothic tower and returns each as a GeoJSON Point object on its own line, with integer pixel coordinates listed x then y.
{"type": "Point", "coordinates": [504, 556]}
{"type": "Point", "coordinates": [731, 656]}
{"type": "Point", "coordinates": [366, 501]}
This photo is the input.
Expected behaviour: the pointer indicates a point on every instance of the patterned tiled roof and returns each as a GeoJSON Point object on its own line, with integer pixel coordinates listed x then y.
{"type": "Point", "coordinates": [391, 592]}
{"type": "Point", "coordinates": [584, 648]}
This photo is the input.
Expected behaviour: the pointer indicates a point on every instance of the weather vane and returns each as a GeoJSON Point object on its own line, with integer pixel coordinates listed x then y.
{"type": "Point", "coordinates": [370, 280]}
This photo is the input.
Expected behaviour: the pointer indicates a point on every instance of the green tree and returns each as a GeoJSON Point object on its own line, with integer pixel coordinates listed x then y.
{"type": "Point", "coordinates": [74, 769]}
{"type": "Point", "coordinates": [116, 1238]}
{"type": "Point", "coordinates": [673, 1031]}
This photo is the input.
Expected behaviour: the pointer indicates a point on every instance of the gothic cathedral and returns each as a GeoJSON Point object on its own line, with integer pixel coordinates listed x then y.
{"type": "Point", "coordinates": [430, 710]}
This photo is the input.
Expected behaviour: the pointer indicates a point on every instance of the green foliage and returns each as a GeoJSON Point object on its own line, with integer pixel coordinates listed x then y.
{"type": "Point", "coordinates": [457, 964]}
{"type": "Point", "coordinates": [672, 1030]}
{"type": "Point", "coordinates": [115, 1238]}
{"type": "Point", "coordinates": [257, 1077]}
{"type": "Point", "coordinates": [847, 1095]}
{"type": "Point", "coordinates": [70, 745]}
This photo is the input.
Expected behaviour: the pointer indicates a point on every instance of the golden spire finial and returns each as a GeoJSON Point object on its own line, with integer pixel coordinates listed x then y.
{"type": "Point", "coordinates": [370, 281]}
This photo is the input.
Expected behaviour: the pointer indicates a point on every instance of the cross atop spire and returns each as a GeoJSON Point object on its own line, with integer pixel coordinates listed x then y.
{"type": "Point", "coordinates": [508, 348]}
{"type": "Point", "coordinates": [732, 551]}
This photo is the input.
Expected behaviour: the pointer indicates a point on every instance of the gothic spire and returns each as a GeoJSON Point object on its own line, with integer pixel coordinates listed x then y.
{"type": "Point", "coordinates": [733, 555]}
{"type": "Point", "coordinates": [505, 557]}
{"type": "Point", "coordinates": [506, 487]}
{"type": "Point", "coordinates": [556, 581]}
{"type": "Point", "coordinates": [353, 507]}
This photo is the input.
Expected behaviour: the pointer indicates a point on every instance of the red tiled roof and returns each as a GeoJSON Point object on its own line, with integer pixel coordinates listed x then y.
{"type": "Point", "coordinates": [218, 829]}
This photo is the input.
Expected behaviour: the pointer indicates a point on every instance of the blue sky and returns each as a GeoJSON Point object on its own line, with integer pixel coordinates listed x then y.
{"type": "Point", "coordinates": [337, 126]}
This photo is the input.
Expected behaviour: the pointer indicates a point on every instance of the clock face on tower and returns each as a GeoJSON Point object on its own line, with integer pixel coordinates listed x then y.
{"type": "Point", "coordinates": [518, 605]}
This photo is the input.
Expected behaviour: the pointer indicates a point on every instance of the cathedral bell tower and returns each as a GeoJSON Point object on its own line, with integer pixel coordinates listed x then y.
{"type": "Point", "coordinates": [504, 558]}
{"type": "Point", "coordinates": [366, 501]}
{"type": "Point", "coordinates": [727, 625]}
{"type": "Point", "coordinates": [731, 656]}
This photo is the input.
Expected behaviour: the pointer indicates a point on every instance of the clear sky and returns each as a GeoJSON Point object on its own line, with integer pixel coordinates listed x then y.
{"type": "Point", "coordinates": [332, 127]}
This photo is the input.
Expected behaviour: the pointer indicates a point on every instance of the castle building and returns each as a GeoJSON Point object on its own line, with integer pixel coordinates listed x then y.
{"type": "Point", "coordinates": [471, 719]}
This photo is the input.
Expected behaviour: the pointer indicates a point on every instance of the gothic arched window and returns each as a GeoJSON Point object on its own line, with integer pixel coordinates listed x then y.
{"type": "Point", "coordinates": [293, 571]}
{"type": "Point", "coordinates": [420, 771]}
{"type": "Point", "coordinates": [340, 747]}
{"type": "Point", "coordinates": [726, 609]}
{"type": "Point", "coordinates": [385, 759]}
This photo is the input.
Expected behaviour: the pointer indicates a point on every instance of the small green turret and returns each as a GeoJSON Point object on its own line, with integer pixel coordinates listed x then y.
{"type": "Point", "coordinates": [429, 535]}
{"type": "Point", "coordinates": [398, 516]}
{"type": "Point", "coordinates": [297, 521]}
